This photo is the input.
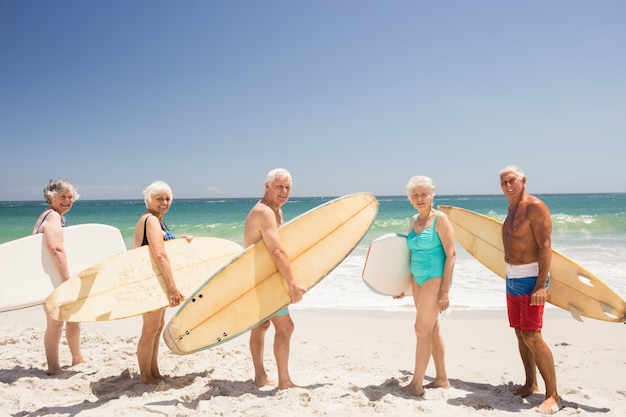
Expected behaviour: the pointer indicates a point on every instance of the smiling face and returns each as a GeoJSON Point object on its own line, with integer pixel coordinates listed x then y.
{"type": "Point", "coordinates": [421, 197]}
{"type": "Point", "coordinates": [512, 185]}
{"type": "Point", "coordinates": [277, 192]}
{"type": "Point", "coordinates": [62, 202]}
{"type": "Point", "coordinates": [159, 204]}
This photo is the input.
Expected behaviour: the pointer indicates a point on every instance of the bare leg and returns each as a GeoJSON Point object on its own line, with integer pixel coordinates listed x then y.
{"type": "Point", "coordinates": [51, 340]}
{"type": "Point", "coordinates": [154, 368]}
{"type": "Point", "coordinates": [257, 346]}
{"type": "Point", "coordinates": [282, 339]}
{"type": "Point", "coordinates": [545, 362]}
{"type": "Point", "coordinates": [72, 334]}
{"type": "Point", "coordinates": [427, 310]}
{"type": "Point", "coordinates": [441, 376]}
{"type": "Point", "coordinates": [146, 352]}
{"type": "Point", "coordinates": [530, 367]}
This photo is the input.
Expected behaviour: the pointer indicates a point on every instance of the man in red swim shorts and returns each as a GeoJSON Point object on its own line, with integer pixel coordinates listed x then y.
{"type": "Point", "coordinates": [526, 235]}
{"type": "Point", "coordinates": [521, 281]}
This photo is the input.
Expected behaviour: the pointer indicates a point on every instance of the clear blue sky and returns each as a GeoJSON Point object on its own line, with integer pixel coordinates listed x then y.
{"type": "Point", "coordinates": [349, 95]}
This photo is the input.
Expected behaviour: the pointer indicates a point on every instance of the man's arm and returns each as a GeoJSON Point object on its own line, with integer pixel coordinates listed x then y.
{"type": "Point", "coordinates": [269, 234]}
{"type": "Point", "coordinates": [541, 224]}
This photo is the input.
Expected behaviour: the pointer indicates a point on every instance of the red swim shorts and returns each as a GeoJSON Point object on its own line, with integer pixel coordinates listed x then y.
{"type": "Point", "coordinates": [522, 315]}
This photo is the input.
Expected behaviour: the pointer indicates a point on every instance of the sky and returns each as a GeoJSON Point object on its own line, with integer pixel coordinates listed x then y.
{"type": "Point", "coordinates": [348, 95]}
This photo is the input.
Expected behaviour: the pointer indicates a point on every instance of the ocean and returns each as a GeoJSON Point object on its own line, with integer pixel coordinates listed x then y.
{"type": "Point", "coordinates": [588, 228]}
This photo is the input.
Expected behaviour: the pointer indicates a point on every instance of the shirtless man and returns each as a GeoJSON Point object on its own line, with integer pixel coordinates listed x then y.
{"type": "Point", "coordinates": [263, 222]}
{"type": "Point", "coordinates": [527, 251]}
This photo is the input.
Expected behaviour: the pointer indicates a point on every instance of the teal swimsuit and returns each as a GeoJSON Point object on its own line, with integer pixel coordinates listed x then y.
{"type": "Point", "coordinates": [427, 255]}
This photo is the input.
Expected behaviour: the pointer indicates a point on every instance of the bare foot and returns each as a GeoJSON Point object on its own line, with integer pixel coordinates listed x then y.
{"type": "Point", "coordinates": [287, 385]}
{"type": "Point", "coordinates": [550, 406]}
{"type": "Point", "coordinates": [438, 384]}
{"type": "Point", "coordinates": [413, 390]}
{"type": "Point", "coordinates": [78, 360]}
{"type": "Point", "coordinates": [263, 381]}
{"type": "Point", "coordinates": [150, 381]}
{"type": "Point", "coordinates": [55, 371]}
{"type": "Point", "coordinates": [527, 390]}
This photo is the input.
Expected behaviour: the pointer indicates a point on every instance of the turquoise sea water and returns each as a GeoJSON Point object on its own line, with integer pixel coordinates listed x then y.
{"type": "Point", "coordinates": [589, 228]}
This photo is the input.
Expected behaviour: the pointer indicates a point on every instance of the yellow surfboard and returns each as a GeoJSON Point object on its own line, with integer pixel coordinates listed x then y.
{"type": "Point", "coordinates": [130, 283]}
{"type": "Point", "coordinates": [572, 287]}
{"type": "Point", "coordinates": [251, 289]}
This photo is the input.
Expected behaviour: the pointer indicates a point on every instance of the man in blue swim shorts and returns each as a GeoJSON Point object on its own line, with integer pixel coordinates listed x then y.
{"type": "Point", "coordinates": [263, 222]}
{"type": "Point", "coordinates": [526, 236]}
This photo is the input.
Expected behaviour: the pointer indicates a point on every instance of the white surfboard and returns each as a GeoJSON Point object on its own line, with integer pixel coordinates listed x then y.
{"type": "Point", "coordinates": [130, 283]}
{"type": "Point", "coordinates": [250, 289]}
{"type": "Point", "coordinates": [27, 270]}
{"type": "Point", "coordinates": [387, 269]}
{"type": "Point", "coordinates": [572, 287]}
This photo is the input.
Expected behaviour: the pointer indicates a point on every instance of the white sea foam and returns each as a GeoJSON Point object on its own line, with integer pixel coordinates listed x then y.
{"type": "Point", "coordinates": [474, 287]}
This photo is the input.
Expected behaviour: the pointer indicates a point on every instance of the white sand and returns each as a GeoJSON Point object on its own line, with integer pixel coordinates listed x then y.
{"type": "Point", "coordinates": [349, 364]}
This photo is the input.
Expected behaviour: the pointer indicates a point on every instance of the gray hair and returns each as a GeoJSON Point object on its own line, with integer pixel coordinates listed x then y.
{"type": "Point", "coordinates": [55, 187]}
{"type": "Point", "coordinates": [514, 169]}
{"type": "Point", "coordinates": [277, 172]}
{"type": "Point", "coordinates": [420, 181]}
{"type": "Point", "coordinates": [157, 187]}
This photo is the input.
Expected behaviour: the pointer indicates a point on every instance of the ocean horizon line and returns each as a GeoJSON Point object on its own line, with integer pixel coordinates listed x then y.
{"type": "Point", "coordinates": [329, 196]}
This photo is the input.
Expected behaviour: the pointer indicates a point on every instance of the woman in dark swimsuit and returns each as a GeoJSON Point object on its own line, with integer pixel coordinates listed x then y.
{"type": "Point", "coordinates": [152, 231]}
{"type": "Point", "coordinates": [60, 196]}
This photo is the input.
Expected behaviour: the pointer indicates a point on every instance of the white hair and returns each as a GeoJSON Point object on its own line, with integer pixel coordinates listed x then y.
{"type": "Point", "coordinates": [420, 181]}
{"type": "Point", "coordinates": [514, 169]}
{"type": "Point", "coordinates": [55, 187]}
{"type": "Point", "coordinates": [277, 172]}
{"type": "Point", "coordinates": [157, 187]}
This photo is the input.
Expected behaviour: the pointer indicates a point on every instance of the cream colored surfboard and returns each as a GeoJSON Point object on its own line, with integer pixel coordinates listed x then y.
{"type": "Point", "coordinates": [387, 269]}
{"type": "Point", "coordinates": [28, 273]}
{"type": "Point", "coordinates": [130, 283]}
{"type": "Point", "coordinates": [572, 287]}
{"type": "Point", "coordinates": [250, 289]}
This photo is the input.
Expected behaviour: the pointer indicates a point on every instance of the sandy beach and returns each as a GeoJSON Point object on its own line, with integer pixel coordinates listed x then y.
{"type": "Point", "coordinates": [349, 363]}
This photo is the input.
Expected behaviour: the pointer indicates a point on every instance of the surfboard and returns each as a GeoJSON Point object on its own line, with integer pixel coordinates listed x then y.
{"type": "Point", "coordinates": [130, 283]}
{"type": "Point", "coordinates": [572, 287]}
{"type": "Point", "coordinates": [250, 288]}
{"type": "Point", "coordinates": [387, 269]}
{"type": "Point", "coordinates": [28, 273]}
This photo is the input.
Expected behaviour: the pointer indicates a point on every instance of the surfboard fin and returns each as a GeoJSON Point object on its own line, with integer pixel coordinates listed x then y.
{"type": "Point", "coordinates": [575, 313]}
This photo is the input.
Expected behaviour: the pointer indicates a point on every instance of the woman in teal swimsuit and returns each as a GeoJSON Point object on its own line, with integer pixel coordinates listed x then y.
{"type": "Point", "coordinates": [431, 241]}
